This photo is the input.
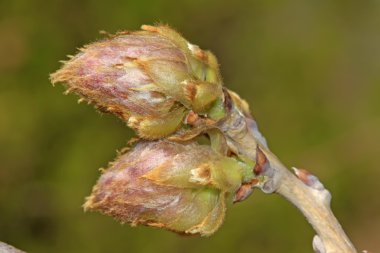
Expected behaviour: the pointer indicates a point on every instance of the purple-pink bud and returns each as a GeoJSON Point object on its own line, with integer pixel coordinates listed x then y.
{"type": "Point", "coordinates": [151, 78]}
{"type": "Point", "coordinates": [180, 187]}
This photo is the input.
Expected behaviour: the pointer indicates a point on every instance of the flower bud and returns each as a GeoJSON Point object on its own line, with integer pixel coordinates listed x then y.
{"type": "Point", "coordinates": [179, 187]}
{"type": "Point", "coordinates": [165, 88]}
{"type": "Point", "coordinates": [151, 79]}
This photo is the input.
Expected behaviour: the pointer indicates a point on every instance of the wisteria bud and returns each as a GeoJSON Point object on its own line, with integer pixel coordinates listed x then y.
{"type": "Point", "coordinates": [179, 187]}
{"type": "Point", "coordinates": [151, 79]}
{"type": "Point", "coordinates": [171, 93]}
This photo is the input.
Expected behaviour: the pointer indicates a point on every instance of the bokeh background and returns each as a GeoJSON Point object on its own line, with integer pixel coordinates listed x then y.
{"type": "Point", "coordinates": [309, 69]}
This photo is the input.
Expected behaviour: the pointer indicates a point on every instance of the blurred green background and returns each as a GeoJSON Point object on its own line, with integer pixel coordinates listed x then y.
{"type": "Point", "coordinates": [309, 69]}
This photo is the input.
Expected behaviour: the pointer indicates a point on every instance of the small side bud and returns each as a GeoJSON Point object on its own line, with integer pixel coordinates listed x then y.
{"type": "Point", "coordinates": [262, 163]}
{"type": "Point", "coordinates": [318, 245]}
{"type": "Point", "coordinates": [244, 191]}
{"type": "Point", "coordinates": [309, 179]}
{"type": "Point", "coordinates": [313, 182]}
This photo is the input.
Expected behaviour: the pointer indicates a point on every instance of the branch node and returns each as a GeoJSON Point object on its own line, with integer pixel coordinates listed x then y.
{"type": "Point", "coordinates": [317, 188]}
{"type": "Point", "coordinates": [318, 245]}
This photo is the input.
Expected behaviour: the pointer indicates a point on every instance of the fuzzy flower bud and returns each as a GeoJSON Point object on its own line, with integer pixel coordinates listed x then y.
{"type": "Point", "coordinates": [171, 93]}
{"type": "Point", "coordinates": [179, 187]}
{"type": "Point", "coordinates": [151, 79]}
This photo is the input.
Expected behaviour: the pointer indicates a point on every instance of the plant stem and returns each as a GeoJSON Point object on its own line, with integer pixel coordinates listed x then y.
{"type": "Point", "coordinates": [314, 203]}
{"type": "Point", "coordinates": [6, 248]}
{"type": "Point", "coordinates": [304, 190]}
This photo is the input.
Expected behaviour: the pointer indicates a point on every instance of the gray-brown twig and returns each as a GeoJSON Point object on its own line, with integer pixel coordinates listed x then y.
{"type": "Point", "coordinates": [309, 195]}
